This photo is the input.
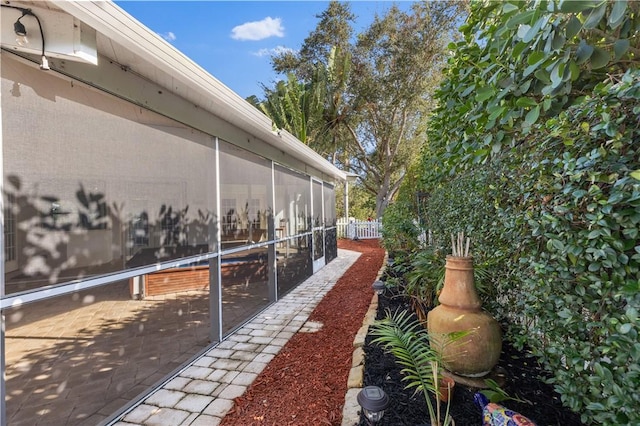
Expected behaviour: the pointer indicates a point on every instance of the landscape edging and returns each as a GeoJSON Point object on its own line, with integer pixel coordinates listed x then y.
{"type": "Point", "coordinates": [351, 408]}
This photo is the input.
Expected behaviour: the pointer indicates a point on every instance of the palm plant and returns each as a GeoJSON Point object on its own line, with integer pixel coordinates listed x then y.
{"type": "Point", "coordinates": [425, 280]}
{"type": "Point", "coordinates": [408, 341]}
{"type": "Point", "coordinates": [291, 105]}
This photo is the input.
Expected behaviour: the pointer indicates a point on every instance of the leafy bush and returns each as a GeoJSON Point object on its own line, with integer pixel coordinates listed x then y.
{"type": "Point", "coordinates": [399, 228]}
{"type": "Point", "coordinates": [533, 152]}
{"type": "Point", "coordinates": [424, 280]}
{"type": "Point", "coordinates": [581, 274]}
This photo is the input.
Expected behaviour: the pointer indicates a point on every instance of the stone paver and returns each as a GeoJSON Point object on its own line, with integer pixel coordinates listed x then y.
{"type": "Point", "coordinates": [204, 420]}
{"type": "Point", "coordinates": [166, 416]}
{"type": "Point", "coordinates": [165, 398]}
{"type": "Point", "coordinates": [219, 408]}
{"type": "Point", "coordinates": [194, 403]}
{"type": "Point", "coordinates": [200, 387]}
{"type": "Point", "coordinates": [141, 413]}
{"type": "Point", "coordinates": [231, 391]}
{"type": "Point", "coordinates": [203, 392]}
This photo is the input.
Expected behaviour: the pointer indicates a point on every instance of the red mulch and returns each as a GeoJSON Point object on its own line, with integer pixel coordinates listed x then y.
{"type": "Point", "coordinates": [307, 380]}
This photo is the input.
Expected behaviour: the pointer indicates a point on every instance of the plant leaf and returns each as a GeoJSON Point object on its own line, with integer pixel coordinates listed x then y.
{"type": "Point", "coordinates": [532, 116]}
{"type": "Point", "coordinates": [526, 102]}
{"type": "Point", "coordinates": [573, 27]}
{"type": "Point", "coordinates": [484, 93]}
{"type": "Point", "coordinates": [572, 6]}
{"type": "Point", "coordinates": [509, 7]}
{"type": "Point", "coordinates": [620, 47]}
{"type": "Point", "coordinates": [599, 58]}
{"type": "Point", "coordinates": [493, 396]}
{"type": "Point", "coordinates": [583, 52]}
{"type": "Point", "coordinates": [617, 13]}
{"type": "Point", "coordinates": [595, 16]}
{"type": "Point", "coordinates": [520, 18]}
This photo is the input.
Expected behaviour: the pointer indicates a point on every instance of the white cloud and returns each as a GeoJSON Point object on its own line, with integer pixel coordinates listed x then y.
{"type": "Point", "coordinates": [273, 51]}
{"type": "Point", "coordinates": [258, 30]}
{"type": "Point", "coordinates": [169, 36]}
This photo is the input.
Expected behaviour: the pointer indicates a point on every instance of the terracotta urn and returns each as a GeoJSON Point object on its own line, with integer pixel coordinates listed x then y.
{"type": "Point", "coordinates": [460, 310]}
{"type": "Point", "coordinates": [445, 388]}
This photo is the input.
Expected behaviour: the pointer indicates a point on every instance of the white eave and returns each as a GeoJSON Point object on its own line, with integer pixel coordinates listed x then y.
{"type": "Point", "coordinates": [160, 62]}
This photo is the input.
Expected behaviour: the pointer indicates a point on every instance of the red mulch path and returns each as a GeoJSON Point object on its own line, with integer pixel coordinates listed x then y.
{"type": "Point", "coordinates": [307, 380]}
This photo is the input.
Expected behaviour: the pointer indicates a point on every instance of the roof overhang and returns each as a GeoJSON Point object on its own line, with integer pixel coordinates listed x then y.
{"type": "Point", "coordinates": [154, 56]}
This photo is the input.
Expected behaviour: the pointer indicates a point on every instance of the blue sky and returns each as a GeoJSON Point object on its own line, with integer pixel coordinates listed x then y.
{"type": "Point", "coordinates": [233, 40]}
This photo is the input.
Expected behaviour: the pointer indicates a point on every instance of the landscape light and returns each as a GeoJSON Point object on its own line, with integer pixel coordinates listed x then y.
{"type": "Point", "coordinates": [373, 401]}
{"type": "Point", "coordinates": [378, 286]}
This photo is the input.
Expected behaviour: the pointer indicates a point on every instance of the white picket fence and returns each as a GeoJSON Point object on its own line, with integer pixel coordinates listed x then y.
{"type": "Point", "coordinates": [359, 229]}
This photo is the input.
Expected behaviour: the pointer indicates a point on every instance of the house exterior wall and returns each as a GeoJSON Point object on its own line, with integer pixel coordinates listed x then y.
{"type": "Point", "coordinates": [105, 182]}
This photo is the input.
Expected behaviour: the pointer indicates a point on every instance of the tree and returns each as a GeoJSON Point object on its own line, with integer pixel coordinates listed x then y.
{"type": "Point", "coordinates": [313, 111]}
{"type": "Point", "coordinates": [332, 82]}
{"type": "Point", "coordinates": [291, 105]}
{"type": "Point", "coordinates": [333, 31]}
{"type": "Point", "coordinates": [323, 64]}
{"type": "Point", "coordinates": [397, 65]}
{"type": "Point", "coordinates": [375, 91]}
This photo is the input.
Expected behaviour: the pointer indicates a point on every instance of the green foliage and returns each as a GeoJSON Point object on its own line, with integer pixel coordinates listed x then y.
{"type": "Point", "coordinates": [362, 203]}
{"type": "Point", "coordinates": [334, 29]}
{"type": "Point", "coordinates": [373, 90]}
{"type": "Point", "coordinates": [524, 61]}
{"type": "Point", "coordinates": [533, 153]}
{"type": "Point", "coordinates": [292, 106]}
{"type": "Point", "coordinates": [584, 253]}
{"type": "Point", "coordinates": [425, 280]}
{"type": "Point", "coordinates": [408, 341]}
{"type": "Point", "coordinates": [397, 65]}
{"type": "Point", "coordinates": [401, 220]}
{"type": "Point", "coordinates": [399, 230]}
{"type": "Point", "coordinates": [495, 393]}
{"type": "Point", "coordinates": [399, 264]}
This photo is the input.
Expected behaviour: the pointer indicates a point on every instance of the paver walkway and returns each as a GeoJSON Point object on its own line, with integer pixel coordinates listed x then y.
{"type": "Point", "coordinates": [203, 392]}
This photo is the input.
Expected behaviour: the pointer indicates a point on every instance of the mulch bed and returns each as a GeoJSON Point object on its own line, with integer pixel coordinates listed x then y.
{"type": "Point", "coordinates": [305, 383]}
{"type": "Point", "coordinates": [523, 381]}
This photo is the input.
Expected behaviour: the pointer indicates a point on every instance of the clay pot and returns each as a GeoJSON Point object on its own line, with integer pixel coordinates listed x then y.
{"type": "Point", "coordinates": [460, 310]}
{"type": "Point", "coordinates": [445, 388]}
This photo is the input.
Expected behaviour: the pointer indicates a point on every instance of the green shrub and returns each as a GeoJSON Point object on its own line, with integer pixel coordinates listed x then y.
{"type": "Point", "coordinates": [533, 152]}
{"type": "Point", "coordinates": [581, 274]}
{"type": "Point", "coordinates": [558, 226]}
{"type": "Point", "coordinates": [400, 230]}
{"type": "Point", "coordinates": [424, 280]}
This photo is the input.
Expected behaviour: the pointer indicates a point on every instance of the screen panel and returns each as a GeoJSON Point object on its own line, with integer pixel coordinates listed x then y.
{"type": "Point", "coordinates": [99, 185]}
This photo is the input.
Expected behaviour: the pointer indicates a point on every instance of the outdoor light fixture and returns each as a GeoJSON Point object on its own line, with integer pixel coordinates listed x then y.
{"type": "Point", "coordinates": [21, 33]}
{"type": "Point", "coordinates": [378, 286]}
{"type": "Point", "coordinates": [373, 401]}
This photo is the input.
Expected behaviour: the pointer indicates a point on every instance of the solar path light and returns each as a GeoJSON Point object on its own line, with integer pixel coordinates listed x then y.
{"type": "Point", "coordinates": [373, 401]}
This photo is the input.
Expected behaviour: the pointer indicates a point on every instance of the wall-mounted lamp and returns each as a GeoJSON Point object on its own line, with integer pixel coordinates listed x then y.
{"type": "Point", "coordinates": [21, 33]}
{"type": "Point", "coordinates": [378, 286]}
{"type": "Point", "coordinates": [373, 401]}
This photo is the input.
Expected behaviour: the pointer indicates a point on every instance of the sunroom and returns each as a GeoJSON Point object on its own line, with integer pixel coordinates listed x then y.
{"type": "Point", "coordinates": [148, 211]}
